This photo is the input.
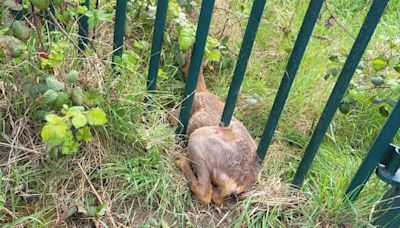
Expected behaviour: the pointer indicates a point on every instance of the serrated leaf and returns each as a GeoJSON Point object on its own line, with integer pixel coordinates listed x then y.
{"type": "Point", "coordinates": [92, 98]}
{"type": "Point", "coordinates": [77, 96]}
{"type": "Point", "coordinates": [46, 133]}
{"type": "Point", "coordinates": [393, 62]}
{"type": "Point", "coordinates": [214, 55]}
{"type": "Point", "coordinates": [49, 96]}
{"type": "Point", "coordinates": [71, 77]}
{"type": "Point", "coordinates": [69, 146]}
{"type": "Point", "coordinates": [186, 42]}
{"type": "Point", "coordinates": [61, 99]}
{"type": "Point", "coordinates": [84, 134]}
{"type": "Point", "coordinates": [79, 120]}
{"type": "Point", "coordinates": [96, 117]}
{"type": "Point", "coordinates": [61, 129]}
{"type": "Point", "coordinates": [54, 84]}
{"type": "Point", "coordinates": [54, 119]}
{"type": "Point", "coordinates": [77, 108]}
{"type": "Point", "coordinates": [379, 64]}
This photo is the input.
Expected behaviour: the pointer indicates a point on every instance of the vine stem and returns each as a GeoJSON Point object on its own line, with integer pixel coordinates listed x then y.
{"type": "Point", "coordinates": [62, 30]}
{"type": "Point", "coordinates": [337, 22]}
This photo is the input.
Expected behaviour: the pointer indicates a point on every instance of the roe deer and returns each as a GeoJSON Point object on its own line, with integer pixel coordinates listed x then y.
{"type": "Point", "coordinates": [224, 159]}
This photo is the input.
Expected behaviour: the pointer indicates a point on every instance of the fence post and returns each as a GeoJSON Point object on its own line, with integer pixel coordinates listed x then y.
{"type": "Point", "coordinates": [360, 44]}
{"type": "Point", "coordinates": [119, 28]}
{"type": "Point", "coordinates": [243, 59]}
{"type": "Point", "coordinates": [377, 150]}
{"type": "Point", "coordinates": [288, 77]}
{"type": "Point", "coordinates": [387, 213]}
{"type": "Point", "coordinates": [83, 27]}
{"type": "Point", "coordinates": [203, 26]}
{"type": "Point", "coordinates": [158, 35]}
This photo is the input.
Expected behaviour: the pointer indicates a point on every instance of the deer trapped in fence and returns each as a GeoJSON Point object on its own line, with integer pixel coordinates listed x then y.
{"type": "Point", "coordinates": [221, 160]}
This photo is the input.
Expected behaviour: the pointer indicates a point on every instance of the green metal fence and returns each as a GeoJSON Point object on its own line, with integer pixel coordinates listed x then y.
{"type": "Point", "coordinates": [382, 157]}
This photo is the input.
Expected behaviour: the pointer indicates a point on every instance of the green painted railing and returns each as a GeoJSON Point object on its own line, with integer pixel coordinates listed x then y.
{"type": "Point", "coordinates": [341, 85]}
{"type": "Point", "coordinates": [83, 31]}
{"type": "Point", "coordinates": [119, 28]}
{"type": "Point", "coordinates": [158, 35]}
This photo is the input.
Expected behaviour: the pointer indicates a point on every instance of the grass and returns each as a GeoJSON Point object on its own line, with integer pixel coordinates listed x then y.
{"type": "Point", "coordinates": [126, 175]}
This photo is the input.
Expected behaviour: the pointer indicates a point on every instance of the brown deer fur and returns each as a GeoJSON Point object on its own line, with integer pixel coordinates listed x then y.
{"type": "Point", "coordinates": [222, 160]}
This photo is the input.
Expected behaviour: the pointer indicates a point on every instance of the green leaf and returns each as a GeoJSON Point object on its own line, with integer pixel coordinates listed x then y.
{"type": "Point", "coordinates": [77, 96]}
{"type": "Point", "coordinates": [377, 80]}
{"type": "Point", "coordinates": [379, 64]}
{"type": "Point", "coordinates": [54, 119]}
{"type": "Point", "coordinates": [49, 96]}
{"type": "Point", "coordinates": [214, 55]}
{"type": "Point", "coordinates": [96, 117]}
{"type": "Point", "coordinates": [101, 210]}
{"type": "Point", "coordinates": [162, 74]}
{"type": "Point", "coordinates": [54, 84]}
{"type": "Point", "coordinates": [62, 99]}
{"type": "Point", "coordinates": [92, 98]}
{"type": "Point", "coordinates": [71, 77]}
{"type": "Point", "coordinates": [79, 120]}
{"type": "Point", "coordinates": [180, 59]}
{"type": "Point", "coordinates": [47, 132]}
{"type": "Point", "coordinates": [2, 201]}
{"type": "Point", "coordinates": [84, 134]}
{"type": "Point", "coordinates": [20, 30]}
{"type": "Point", "coordinates": [77, 108]}
{"type": "Point", "coordinates": [69, 146]}
{"type": "Point", "coordinates": [60, 130]}
{"type": "Point", "coordinates": [393, 62]}
{"type": "Point", "coordinates": [186, 42]}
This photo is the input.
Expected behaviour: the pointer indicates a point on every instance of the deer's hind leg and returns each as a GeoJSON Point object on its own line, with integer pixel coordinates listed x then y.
{"type": "Point", "coordinates": [200, 185]}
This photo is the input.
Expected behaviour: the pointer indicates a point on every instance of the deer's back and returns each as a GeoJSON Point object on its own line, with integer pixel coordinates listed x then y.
{"type": "Point", "coordinates": [230, 155]}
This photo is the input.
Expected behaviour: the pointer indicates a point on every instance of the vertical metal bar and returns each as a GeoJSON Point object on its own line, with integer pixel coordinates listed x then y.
{"type": "Point", "coordinates": [243, 59]}
{"type": "Point", "coordinates": [203, 26]}
{"type": "Point", "coordinates": [288, 77]}
{"type": "Point", "coordinates": [158, 35]}
{"type": "Point", "coordinates": [119, 28]}
{"type": "Point", "coordinates": [19, 15]}
{"type": "Point", "coordinates": [83, 28]}
{"type": "Point", "coordinates": [53, 11]}
{"type": "Point", "coordinates": [360, 44]}
{"type": "Point", "coordinates": [376, 152]}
